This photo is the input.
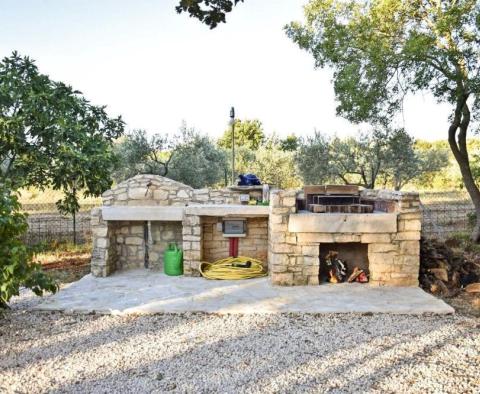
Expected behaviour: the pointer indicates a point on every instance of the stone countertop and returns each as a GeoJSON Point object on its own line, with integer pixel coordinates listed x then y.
{"type": "Point", "coordinates": [176, 213]}
{"type": "Point", "coordinates": [228, 210]}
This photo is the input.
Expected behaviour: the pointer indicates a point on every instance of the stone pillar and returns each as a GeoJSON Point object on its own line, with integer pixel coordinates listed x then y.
{"type": "Point", "coordinates": [396, 262]}
{"type": "Point", "coordinates": [192, 244]}
{"type": "Point", "coordinates": [288, 263]}
{"type": "Point", "coordinates": [104, 253]}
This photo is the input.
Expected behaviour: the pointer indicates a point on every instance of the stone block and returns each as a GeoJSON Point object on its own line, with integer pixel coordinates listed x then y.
{"type": "Point", "coordinates": [343, 238]}
{"type": "Point", "coordinates": [380, 276]}
{"type": "Point", "coordinates": [382, 248]}
{"type": "Point", "coordinates": [278, 259]}
{"type": "Point", "coordinates": [381, 259]}
{"type": "Point", "coordinates": [407, 236]}
{"type": "Point", "coordinates": [280, 248]}
{"type": "Point", "coordinates": [192, 220]}
{"type": "Point", "coordinates": [274, 199]}
{"type": "Point", "coordinates": [311, 260]}
{"type": "Point", "coordinates": [412, 225]}
{"type": "Point", "coordinates": [160, 195]}
{"type": "Point", "coordinates": [137, 230]}
{"type": "Point", "coordinates": [138, 193]}
{"type": "Point", "coordinates": [122, 197]}
{"type": "Point", "coordinates": [102, 242]}
{"type": "Point", "coordinates": [167, 235]}
{"type": "Point", "coordinates": [310, 250]}
{"type": "Point", "coordinates": [280, 211]}
{"type": "Point", "coordinates": [291, 239]}
{"type": "Point", "coordinates": [410, 248]}
{"type": "Point", "coordinates": [279, 268]}
{"type": "Point", "coordinates": [299, 279]}
{"type": "Point", "coordinates": [404, 282]}
{"type": "Point", "coordinates": [98, 271]}
{"type": "Point", "coordinates": [277, 237]}
{"type": "Point", "coordinates": [94, 220]}
{"type": "Point", "coordinates": [282, 279]}
{"type": "Point", "coordinates": [375, 238]}
{"type": "Point", "coordinates": [410, 216]}
{"type": "Point", "coordinates": [195, 238]}
{"type": "Point", "coordinates": [276, 219]}
{"type": "Point", "coordinates": [343, 223]}
{"type": "Point", "coordinates": [313, 280]}
{"type": "Point", "coordinates": [133, 240]}
{"type": "Point", "coordinates": [100, 231]}
{"type": "Point", "coordinates": [289, 202]}
{"type": "Point", "coordinates": [312, 270]}
{"type": "Point", "coordinates": [278, 227]}
{"type": "Point", "coordinates": [183, 194]}
{"type": "Point", "coordinates": [306, 238]}
{"type": "Point", "coordinates": [407, 260]}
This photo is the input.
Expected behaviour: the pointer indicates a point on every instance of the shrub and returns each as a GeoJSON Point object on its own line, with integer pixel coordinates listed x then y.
{"type": "Point", "coordinates": [16, 266]}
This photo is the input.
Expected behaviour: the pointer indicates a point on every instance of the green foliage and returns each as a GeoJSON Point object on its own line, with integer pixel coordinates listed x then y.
{"type": "Point", "coordinates": [449, 177]}
{"type": "Point", "coordinates": [189, 157]}
{"type": "Point", "coordinates": [248, 133]}
{"type": "Point", "coordinates": [210, 12]}
{"type": "Point", "coordinates": [275, 166]}
{"type": "Point", "coordinates": [381, 50]}
{"type": "Point", "coordinates": [290, 143]}
{"type": "Point", "coordinates": [16, 266]}
{"type": "Point", "coordinates": [50, 135]}
{"type": "Point", "coordinates": [139, 154]}
{"type": "Point", "coordinates": [386, 155]}
{"type": "Point", "coordinates": [405, 162]}
{"type": "Point", "coordinates": [313, 159]}
{"type": "Point", "coordinates": [197, 161]}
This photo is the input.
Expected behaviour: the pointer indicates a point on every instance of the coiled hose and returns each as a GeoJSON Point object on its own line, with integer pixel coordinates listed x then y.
{"type": "Point", "coordinates": [233, 268]}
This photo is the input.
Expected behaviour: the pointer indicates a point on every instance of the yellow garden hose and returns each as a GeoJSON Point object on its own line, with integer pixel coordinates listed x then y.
{"type": "Point", "coordinates": [233, 268]}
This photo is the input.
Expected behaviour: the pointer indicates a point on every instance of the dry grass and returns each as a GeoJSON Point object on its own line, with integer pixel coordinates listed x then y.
{"type": "Point", "coordinates": [64, 261]}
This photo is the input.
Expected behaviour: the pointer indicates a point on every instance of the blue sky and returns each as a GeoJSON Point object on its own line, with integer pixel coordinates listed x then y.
{"type": "Point", "coordinates": [157, 68]}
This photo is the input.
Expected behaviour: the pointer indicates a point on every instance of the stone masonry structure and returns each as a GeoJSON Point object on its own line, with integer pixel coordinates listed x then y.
{"type": "Point", "coordinates": [142, 215]}
{"type": "Point", "coordinates": [393, 254]}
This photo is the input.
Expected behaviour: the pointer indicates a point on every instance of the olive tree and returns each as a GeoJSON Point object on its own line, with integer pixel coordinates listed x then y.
{"type": "Point", "coordinates": [382, 50]}
{"type": "Point", "coordinates": [138, 153]}
{"type": "Point", "coordinates": [385, 155]}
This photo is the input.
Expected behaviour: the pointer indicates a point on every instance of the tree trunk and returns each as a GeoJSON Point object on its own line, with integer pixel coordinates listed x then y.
{"type": "Point", "coordinates": [458, 145]}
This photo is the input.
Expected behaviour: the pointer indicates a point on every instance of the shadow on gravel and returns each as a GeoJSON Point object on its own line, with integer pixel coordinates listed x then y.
{"type": "Point", "coordinates": [302, 352]}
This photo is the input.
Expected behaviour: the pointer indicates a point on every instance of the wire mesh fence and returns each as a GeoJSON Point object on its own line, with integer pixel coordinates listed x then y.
{"type": "Point", "coordinates": [46, 224]}
{"type": "Point", "coordinates": [446, 213]}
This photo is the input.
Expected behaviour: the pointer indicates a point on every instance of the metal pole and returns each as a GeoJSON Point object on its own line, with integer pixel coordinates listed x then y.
{"type": "Point", "coordinates": [232, 120]}
{"type": "Point", "coordinates": [74, 218]}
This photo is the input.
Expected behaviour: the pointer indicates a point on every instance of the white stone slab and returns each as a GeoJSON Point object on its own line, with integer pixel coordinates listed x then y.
{"type": "Point", "coordinates": [368, 223]}
{"type": "Point", "coordinates": [145, 292]}
{"type": "Point", "coordinates": [152, 213]}
{"type": "Point", "coordinates": [225, 210]}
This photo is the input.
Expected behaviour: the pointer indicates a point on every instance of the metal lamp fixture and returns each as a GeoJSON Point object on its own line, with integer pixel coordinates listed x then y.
{"type": "Point", "coordinates": [232, 122]}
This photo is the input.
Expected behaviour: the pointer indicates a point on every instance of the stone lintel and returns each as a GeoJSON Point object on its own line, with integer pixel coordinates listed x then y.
{"type": "Point", "coordinates": [367, 223]}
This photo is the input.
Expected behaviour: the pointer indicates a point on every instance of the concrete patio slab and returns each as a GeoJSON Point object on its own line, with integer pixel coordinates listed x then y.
{"type": "Point", "coordinates": [146, 292]}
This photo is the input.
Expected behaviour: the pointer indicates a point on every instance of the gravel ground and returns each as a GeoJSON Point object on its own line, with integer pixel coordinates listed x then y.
{"type": "Point", "coordinates": [55, 352]}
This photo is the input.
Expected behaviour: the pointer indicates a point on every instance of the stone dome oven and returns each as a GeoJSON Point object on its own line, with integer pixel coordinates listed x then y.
{"type": "Point", "coordinates": [379, 231]}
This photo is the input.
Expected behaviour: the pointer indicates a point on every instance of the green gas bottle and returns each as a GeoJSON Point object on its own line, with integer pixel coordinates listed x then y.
{"type": "Point", "coordinates": [173, 260]}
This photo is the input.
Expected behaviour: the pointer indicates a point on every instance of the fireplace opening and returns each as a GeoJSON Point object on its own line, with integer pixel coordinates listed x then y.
{"type": "Point", "coordinates": [352, 254]}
